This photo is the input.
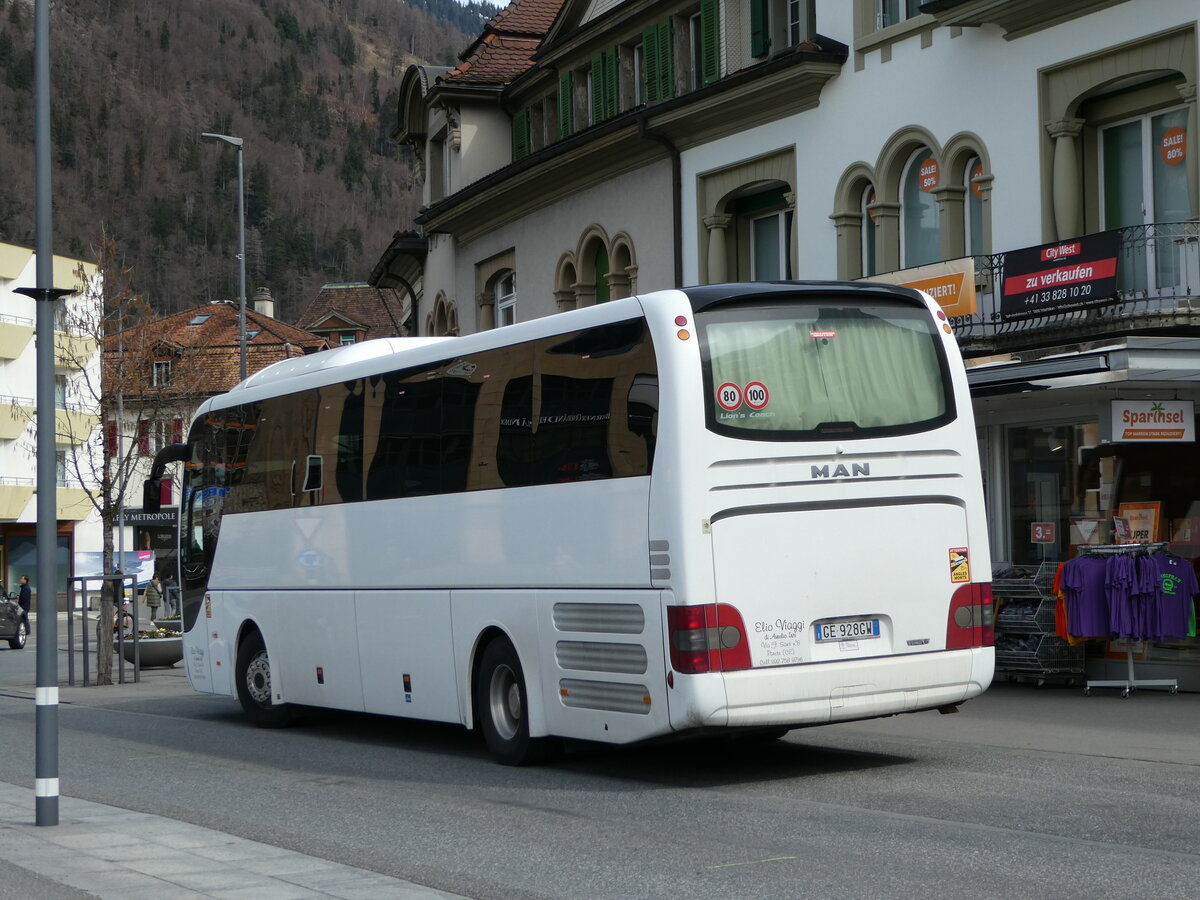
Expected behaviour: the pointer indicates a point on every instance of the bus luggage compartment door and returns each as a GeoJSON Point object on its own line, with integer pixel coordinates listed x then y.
{"type": "Point", "coordinates": [822, 585]}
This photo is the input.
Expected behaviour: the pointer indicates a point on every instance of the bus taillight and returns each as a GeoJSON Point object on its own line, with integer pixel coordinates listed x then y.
{"type": "Point", "coordinates": [709, 638]}
{"type": "Point", "coordinates": [971, 617]}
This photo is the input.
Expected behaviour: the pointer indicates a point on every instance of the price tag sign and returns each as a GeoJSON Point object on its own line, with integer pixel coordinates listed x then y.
{"type": "Point", "coordinates": [1041, 532]}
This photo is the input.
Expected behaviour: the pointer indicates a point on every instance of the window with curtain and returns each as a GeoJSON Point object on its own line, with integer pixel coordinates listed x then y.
{"type": "Point", "coordinates": [920, 231]}
{"type": "Point", "coordinates": [973, 208]}
{"type": "Point", "coordinates": [805, 371]}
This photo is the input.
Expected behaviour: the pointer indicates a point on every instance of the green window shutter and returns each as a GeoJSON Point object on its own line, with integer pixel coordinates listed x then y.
{"type": "Point", "coordinates": [760, 25]}
{"type": "Point", "coordinates": [612, 94]}
{"type": "Point", "coordinates": [666, 59]}
{"type": "Point", "coordinates": [520, 134]}
{"type": "Point", "coordinates": [566, 122]}
{"type": "Point", "coordinates": [710, 40]}
{"type": "Point", "coordinates": [650, 64]}
{"type": "Point", "coordinates": [597, 87]}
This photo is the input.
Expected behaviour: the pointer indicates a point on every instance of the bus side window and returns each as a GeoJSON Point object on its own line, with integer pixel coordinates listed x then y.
{"type": "Point", "coordinates": [643, 406]}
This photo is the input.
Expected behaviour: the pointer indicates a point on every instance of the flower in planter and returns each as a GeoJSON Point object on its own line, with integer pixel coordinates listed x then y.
{"type": "Point", "coordinates": [158, 633]}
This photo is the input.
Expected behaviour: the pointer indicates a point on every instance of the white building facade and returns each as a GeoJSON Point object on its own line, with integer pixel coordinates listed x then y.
{"type": "Point", "coordinates": [77, 363]}
{"type": "Point", "coordinates": [1033, 164]}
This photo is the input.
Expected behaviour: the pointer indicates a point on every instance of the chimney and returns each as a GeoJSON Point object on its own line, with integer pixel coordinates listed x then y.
{"type": "Point", "coordinates": [264, 303]}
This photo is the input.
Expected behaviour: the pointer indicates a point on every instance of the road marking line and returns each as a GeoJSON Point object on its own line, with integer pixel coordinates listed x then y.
{"type": "Point", "coordinates": [753, 862]}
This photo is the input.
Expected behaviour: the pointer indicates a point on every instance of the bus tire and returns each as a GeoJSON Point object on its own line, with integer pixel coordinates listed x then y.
{"type": "Point", "coordinates": [502, 706]}
{"type": "Point", "coordinates": [253, 677]}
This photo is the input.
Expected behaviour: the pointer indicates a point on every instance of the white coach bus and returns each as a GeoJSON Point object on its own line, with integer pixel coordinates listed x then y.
{"type": "Point", "coordinates": [749, 507]}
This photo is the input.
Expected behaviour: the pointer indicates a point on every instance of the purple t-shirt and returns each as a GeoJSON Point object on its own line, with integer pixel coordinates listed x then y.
{"type": "Point", "coordinates": [1121, 580]}
{"type": "Point", "coordinates": [1174, 584]}
{"type": "Point", "coordinates": [1083, 579]}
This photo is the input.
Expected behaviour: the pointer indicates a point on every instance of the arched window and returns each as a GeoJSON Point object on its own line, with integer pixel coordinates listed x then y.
{"type": "Point", "coordinates": [868, 231]}
{"type": "Point", "coordinates": [766, 216]}
{"type": "Point", "coordinates": [973, 208]}
{"type": "Point", "coordinates": [1144, 186]}
{"type": "Point", "coordinates": [920, 234]}
{"type": "Point", "coordinates": [603, 294]}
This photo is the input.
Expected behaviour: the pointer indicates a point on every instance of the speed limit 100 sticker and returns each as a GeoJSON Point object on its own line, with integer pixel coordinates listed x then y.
{"type": "Point", "coordinates": [729, 395]}
{"type": "Point", "coordinates": [757, 395]}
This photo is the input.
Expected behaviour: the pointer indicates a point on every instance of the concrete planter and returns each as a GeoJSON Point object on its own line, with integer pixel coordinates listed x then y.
{"type": "Point", "coordinates": [155, 652]}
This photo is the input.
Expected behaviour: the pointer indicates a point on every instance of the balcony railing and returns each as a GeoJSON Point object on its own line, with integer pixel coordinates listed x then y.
{"type": "Point", "coordinates": [1158, 287]}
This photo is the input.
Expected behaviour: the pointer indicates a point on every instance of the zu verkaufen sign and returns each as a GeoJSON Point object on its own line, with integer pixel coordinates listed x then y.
{"type": "Point", "coordinates": [1062, 276]}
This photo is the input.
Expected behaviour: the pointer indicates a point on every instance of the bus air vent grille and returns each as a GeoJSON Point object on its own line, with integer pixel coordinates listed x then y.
{"type": "Point", "coordinates": [605, 695]}
{"type": "Point", "coordinates": [600, 618]}
{"type": "Point", "coordinates": [592, 656]}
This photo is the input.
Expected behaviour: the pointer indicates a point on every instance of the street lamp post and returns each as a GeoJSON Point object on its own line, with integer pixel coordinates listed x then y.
{"type": "Point", "coordinates": [237, 142]}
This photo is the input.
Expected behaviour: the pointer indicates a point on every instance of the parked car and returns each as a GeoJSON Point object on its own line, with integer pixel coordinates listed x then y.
{"type": "Point", "coordinates": [14, 624]}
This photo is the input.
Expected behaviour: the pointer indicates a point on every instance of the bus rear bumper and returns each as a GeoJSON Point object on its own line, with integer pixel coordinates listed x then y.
{"type": "Point", "coordinates": [819, 693]}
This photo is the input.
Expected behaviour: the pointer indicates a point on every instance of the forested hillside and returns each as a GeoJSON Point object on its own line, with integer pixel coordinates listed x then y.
{"type": "Point", "coordinates": [310, 86]}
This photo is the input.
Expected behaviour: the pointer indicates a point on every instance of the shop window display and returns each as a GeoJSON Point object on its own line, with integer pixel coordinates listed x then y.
{"type": "Point", "coordinates": [1069, 491]}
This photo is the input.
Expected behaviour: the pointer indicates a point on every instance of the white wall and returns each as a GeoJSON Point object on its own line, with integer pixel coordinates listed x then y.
{"type": "Point", "coordinates": [541, 238]}
{"type": "Point", "coordinates": [976, 82]}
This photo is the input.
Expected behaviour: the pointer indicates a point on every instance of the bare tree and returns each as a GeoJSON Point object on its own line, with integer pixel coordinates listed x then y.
{"type": "Point", "coordinates": [136, 382]}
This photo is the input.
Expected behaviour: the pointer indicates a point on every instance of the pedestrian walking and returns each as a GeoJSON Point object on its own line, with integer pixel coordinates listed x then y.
{"type": "Point", "coordinates": [25, 600]}
{"type": "Point", "coordinates": [153, 596]}
{"type": "Point", "coordinates": [171, 595]}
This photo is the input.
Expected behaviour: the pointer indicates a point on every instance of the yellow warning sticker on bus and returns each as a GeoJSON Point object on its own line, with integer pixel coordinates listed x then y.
{"type": "Point", "coordinates": [960, 565]}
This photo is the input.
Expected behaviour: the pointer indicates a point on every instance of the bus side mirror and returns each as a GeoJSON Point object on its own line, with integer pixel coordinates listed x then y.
{"type": "Point", "coordinates": [151, 489]}
{"type": "Point", "coordinates": [152, 495]}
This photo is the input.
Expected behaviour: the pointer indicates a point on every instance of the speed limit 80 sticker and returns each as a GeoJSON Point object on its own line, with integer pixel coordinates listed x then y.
{"type": "Point", "coordinates": [729, 396]}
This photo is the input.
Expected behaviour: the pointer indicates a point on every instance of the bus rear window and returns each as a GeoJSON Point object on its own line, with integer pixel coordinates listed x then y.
{"type": "Point", "coordinates": [819, 370]}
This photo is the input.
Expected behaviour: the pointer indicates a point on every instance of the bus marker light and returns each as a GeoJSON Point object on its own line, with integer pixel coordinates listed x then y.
{"type": "Point", "coordinates": [681, 320]}
{"type": "Point", "coordinates": [683, 334]}
{"type": "Point", "coordinates": [947, 329]}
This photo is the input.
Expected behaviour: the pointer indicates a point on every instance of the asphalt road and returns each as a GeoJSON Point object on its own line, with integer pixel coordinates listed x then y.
{"type": "Point", "coordinates": [1025, 792]}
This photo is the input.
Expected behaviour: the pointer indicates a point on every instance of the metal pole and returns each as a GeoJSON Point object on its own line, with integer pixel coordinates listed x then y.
{"type": "Point", "coordinates": [241, 265]}
{"type": "Point", "coordinates": [120, 566]}
{"type": "Point", "coordinates": [46, 696]}
{"type": "Point", "coordinates": [237, 142]}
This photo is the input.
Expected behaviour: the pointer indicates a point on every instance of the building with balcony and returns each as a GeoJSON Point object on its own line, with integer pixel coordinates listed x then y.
{"type": "Point", "coordinates": [1033, 165]}
{"type": "Point", "coordinates": [76, 360]}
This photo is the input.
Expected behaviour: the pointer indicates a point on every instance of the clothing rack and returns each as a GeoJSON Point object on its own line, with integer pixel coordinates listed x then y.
{"type": "Point", "coordinates": [1130, 683]}
{"type": "Point", "coordinates": [1115, 549]}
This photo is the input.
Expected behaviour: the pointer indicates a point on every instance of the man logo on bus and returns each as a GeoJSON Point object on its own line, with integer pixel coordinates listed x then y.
{"type": "Point", "coordinates": [840, 471]}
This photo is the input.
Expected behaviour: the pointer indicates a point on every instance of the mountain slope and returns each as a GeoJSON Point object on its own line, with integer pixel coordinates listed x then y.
{"type": "Point", "coordinates": [308, 84]}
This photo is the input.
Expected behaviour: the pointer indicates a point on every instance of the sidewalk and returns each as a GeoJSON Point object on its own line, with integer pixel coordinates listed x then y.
{"type": "Point", "coordinates": [117, 854]}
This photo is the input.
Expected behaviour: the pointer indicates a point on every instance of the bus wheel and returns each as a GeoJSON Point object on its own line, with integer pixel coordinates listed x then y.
{"type": "Point", "coordinates": [503, 708]}
{"type": "Point", "coordinates": [254, 685]}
